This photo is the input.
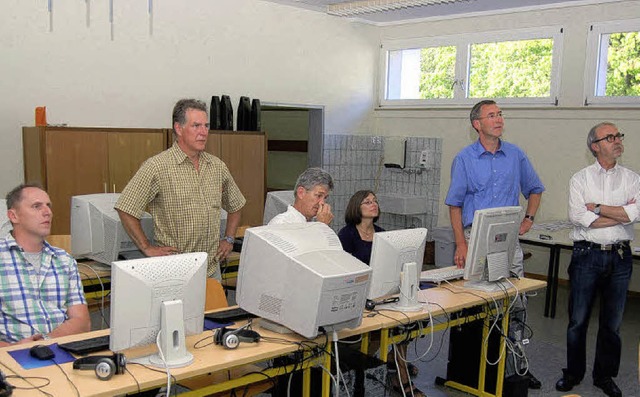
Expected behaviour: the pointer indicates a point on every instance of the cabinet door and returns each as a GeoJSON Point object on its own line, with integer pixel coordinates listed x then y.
{"type": "Point", "coordinates": [213, 145]}
{"type": "Point", "coordinates": [127, 151]}
{"type": "Point", "coordinates": [244, 155]}
{"type": "Point", "coordinates": [76, 163]}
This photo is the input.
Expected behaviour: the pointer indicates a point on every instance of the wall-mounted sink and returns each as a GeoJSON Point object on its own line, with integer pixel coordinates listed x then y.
{"type": "Point", "coordinates": [403, 205]}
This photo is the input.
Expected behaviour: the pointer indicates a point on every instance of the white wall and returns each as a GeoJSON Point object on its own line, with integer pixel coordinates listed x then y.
{"type": "Point", "coordinates": [198, 48]}
{"type": "Point", "coordinates": [553, 138]}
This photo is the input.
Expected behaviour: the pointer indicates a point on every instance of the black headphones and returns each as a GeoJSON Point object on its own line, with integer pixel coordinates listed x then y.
{"type": "Point", "coordinates": [231, 338]}
{"type": "Point", "coordinates": [5, 388]}
{"type": "Point", "coordinates": [105, 366]}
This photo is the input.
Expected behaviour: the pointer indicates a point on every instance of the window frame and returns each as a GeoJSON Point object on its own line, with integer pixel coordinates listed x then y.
{"type": "Point", "coordinates": [593, 59]}
{"type": "Point", "coordinates": [463, 43]}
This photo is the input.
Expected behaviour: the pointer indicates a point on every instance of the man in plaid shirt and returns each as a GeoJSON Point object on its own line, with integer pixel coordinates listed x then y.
{"type": "Point", "coordinates": [41, 294]}
{"type": "Point", "coordinates": [184, 189]}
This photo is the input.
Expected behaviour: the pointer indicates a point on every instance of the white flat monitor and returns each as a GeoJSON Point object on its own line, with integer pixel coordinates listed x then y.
{"type": "Point", "coordinates": [492, 244]}
{"type": "Point", "coordinates": [297, 276]}
{"type": "Point", "coordinates": [96, 230]}
{"type": "Point", "coordinates": [163, 294]}
{"type": "Point", "coordinates": [5, 223]}
{"type": "Point", "coordinates": [390, 252]}
{"type": "Point", "coordinates": [276, 203]}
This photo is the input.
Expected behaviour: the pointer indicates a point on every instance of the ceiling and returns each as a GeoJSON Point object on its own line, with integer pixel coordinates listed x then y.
{"type": "Point", "coordinates": [435, 9]}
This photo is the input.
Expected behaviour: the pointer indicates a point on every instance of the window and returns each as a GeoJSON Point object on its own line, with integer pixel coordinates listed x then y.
{"type": "Point", "coordinates": [612, 73]}
{"type": "Point", "coordinates": [516, 67]}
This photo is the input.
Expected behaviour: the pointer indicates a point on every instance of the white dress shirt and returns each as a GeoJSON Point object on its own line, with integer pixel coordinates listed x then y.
{"type": "Point", "coordinates": [291, 216]}
{"type": "Point", "coordinates": [615, 187]}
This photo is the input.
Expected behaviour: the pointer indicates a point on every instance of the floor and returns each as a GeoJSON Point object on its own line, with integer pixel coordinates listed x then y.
{"type": "Point", "coordinates": [546, 352]}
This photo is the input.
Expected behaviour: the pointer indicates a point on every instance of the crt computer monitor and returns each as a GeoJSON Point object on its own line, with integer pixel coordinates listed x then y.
{"type": "Point", "coordinates": [96, 230]}
{"type": "Point", "coordinates": [298, 276]}
{"type": "Point", "coordinates": [163, 293]}
{"type": "Point", "coordinates": [5, 224]}
{"type": "Point", "coordinates": [390, 251]}
{"type": "Point", "coordinates": [492, 244]}
{"type": "Point", "coordinates": [276, 203]}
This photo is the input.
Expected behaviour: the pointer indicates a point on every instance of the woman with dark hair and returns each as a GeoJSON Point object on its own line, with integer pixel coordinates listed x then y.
{"type": "Point", "coordinates": [360, 216]}
{"type": "Point", "coordinates": [356, 237]}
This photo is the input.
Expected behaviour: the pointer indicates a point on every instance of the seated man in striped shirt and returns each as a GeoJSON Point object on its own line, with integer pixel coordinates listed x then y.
{"type": "Point", "coordinates": [41, 294]}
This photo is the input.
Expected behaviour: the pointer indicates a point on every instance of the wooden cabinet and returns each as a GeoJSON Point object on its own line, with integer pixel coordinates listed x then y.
{"type": "Point", "coordinates": [71, 161]}
{"type": "Point", "coordinates": [245, 154]}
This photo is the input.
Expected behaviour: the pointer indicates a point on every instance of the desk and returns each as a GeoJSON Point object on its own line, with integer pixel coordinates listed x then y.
{"type": "Point", "coordinates": [445, 299]}
{"type": "Point", "coordinates": [212, 359]}
{"type": "Point", "coordinates": [96, 280]}
{"type": "Point", "coordinates": [207, 360]}
{"type": "Point", "coordinates": [559, 240]}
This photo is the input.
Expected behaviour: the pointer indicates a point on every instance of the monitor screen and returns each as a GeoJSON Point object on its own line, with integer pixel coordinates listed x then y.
{"type": "Point", "coordinates": [96, 230]}
{"type": "Point", "coordinates": [277, 203]}
{"type": "Point", "coordinates": [390, 251]}
{"type": "Point", "coordinates": [5, 224]}
{"type": "Point", "coordinates": [163, 293]}
{"type": "Point", "coordinates": [492, 244]}
{"type": "Point", "coordinates": [298, 276]}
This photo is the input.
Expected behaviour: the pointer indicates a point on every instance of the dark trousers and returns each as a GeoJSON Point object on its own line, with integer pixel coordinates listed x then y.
{"type": "Point", "coordinates": [594, 272]}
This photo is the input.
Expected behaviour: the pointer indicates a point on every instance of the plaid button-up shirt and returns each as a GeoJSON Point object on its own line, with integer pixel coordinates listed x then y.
{"type": "Point", "coordinates": [184, 203]}
{"type": "Point", "coordinates": [35, 303]}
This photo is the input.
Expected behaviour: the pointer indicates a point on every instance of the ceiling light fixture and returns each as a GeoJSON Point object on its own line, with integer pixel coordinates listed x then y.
{"type": "Point", "coordinates": [368, 6]}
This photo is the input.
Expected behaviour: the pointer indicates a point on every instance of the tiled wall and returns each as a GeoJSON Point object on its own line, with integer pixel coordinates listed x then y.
{"type": "Point", "coordinates": [355, 162]}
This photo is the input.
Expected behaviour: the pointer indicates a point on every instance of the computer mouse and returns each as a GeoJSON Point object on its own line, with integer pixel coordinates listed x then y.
{"type": "Point", "coordinates": [42, 352]}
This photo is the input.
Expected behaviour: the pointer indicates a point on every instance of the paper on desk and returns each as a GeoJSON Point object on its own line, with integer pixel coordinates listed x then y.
{"type": "Point", "coordinates": [552, 226]}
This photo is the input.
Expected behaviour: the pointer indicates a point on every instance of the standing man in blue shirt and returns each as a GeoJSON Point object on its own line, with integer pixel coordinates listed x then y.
{"type": "Point", "coordinates": [490, 173]}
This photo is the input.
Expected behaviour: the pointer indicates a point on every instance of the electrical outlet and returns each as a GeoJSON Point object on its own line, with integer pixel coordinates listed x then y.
{"type": "Point", "coordinates": [424, 158]}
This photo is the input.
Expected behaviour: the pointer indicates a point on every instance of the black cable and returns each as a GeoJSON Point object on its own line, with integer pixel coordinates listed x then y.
{"type": "Point", "coordinates": [134, 378]}
{"type": "Point", "coordinates": [68, 379]}
{"type": "Point", "coordinates": [27, 380]}
{"type": "Point", "coordinates": [210, 338]}
{"type": "Point", "coordinates": [173, 378]}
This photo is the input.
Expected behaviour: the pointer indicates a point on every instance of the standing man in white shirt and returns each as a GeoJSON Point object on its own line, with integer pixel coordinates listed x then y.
{"type": "Point", "coordinates": [604, 201]}
{"type": "Point", "coordinates": [311, 192]}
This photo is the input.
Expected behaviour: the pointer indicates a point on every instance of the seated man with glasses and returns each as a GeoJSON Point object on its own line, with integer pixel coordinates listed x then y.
{"type": "Point", "coordinates": [492, 173]}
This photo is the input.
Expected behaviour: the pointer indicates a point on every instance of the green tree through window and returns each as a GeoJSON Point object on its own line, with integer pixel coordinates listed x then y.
{"type": "Point", "coordinates": [511, 69]}
{"type": "Point", "coordinates": [437, 72]}
{"type": "Point", "coordinates": [623, 64]}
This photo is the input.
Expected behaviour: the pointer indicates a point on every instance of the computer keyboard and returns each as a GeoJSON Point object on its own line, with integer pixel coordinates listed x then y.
{"type": "Point", "coordinates": [86, 346]}
{"type": "Point", "coordinates": [229, 315]}
{"type": "Point", "coordinates": [441, 274]}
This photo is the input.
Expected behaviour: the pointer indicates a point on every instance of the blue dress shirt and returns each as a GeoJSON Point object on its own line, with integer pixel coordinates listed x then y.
{"type": "Point", "coordinates": [481, 179]}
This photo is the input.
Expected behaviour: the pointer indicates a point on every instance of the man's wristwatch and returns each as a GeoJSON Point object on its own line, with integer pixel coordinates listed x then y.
{"type": "Point", "coordinates": [597, 209]}
{"type": "Point", "coordinates": [529, 217]}
{"type": "Point", "coordinates": [229, 239]}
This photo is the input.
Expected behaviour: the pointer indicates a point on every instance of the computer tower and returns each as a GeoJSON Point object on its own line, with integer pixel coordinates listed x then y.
{"type": "Point", "coordinates": [214, 113]}
{"type": "Point", "coordinates": [244, 114]}
{"type": "Point", "coordinates": [226, 113]}
{"type": "Point", "coordinates": [464, 355]}
{"type": "Point", "coordinates": [256, 123]}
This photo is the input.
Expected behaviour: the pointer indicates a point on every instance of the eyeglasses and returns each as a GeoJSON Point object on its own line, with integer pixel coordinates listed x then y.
{"type": "Point", "coordinates": [610, 138]}
{"type": "Point", "coordinates": [369, 202]}
{"type": "Point", "coordinates": [492, 116]}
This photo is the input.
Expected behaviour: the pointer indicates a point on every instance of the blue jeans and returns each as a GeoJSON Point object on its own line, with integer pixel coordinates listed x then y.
{"type": "Point", "coordinates": [593, 272]}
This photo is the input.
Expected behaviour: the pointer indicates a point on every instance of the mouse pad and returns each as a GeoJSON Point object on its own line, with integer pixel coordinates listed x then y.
{"type": "Point", "coordinates": [27, 362]}
{"type": "Point", "coordinates": [425, 285]}
{"type": "Point", "coordinates": [209, 325]}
